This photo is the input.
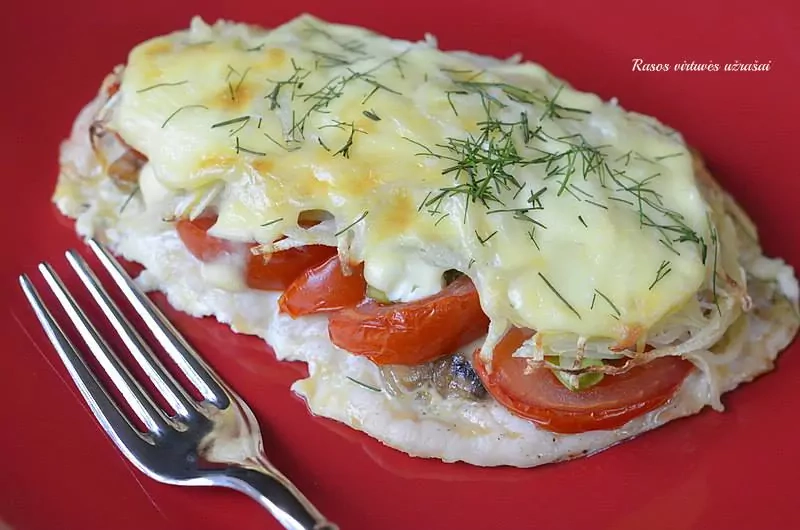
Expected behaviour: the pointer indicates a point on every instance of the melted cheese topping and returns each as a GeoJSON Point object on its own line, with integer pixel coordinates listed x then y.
{"type": "Point", "coordinates": [571, 215]}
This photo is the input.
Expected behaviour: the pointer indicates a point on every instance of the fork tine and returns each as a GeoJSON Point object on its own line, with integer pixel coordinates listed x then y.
{"type": "Point", "coordinates": [201, 375]}
{"type": "Point", "coordinates": [178, 399]}
{"type": "Point", "coordinates": [116, 425]}
{"type": "Point", "coordinates": [140, 402]}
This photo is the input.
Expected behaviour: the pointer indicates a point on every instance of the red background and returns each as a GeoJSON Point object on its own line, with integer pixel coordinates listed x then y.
{"type": "Point", "coordinates": [731, 470]}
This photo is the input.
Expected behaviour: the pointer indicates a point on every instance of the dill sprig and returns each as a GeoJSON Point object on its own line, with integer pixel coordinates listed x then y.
{"type": "Point", "coordinates": [664, 157]}
{"type": "Point", "coordinates": [331, 60]}
{"type": "Point", "coordinates": [231, 71]}
{"type": "Point", "coordinates": [284, 147]}
{"type": "Point", "coordinates": [564, 163]}
{"type": "Point", "coordinates": [331, 90]}
{"type": "Point", "coordinates": [481, 165]}
{"type": "Point", "coordinates": [483, 240]}
{"type": "Point", "coordinates": [715, 243]}
{"type": "Point", "coordinates": [532, 236]}
{"type": "Point", "coordinates": [129, 198]}
{"type": "Point", "coordinates": [662, 271]}
{"type": "Point", "coordinates": [231, 121]}
{"type": "Point", "coordinates": [560, 297]}
{"type": "Point", "coordinates": [354, 46]}
{"type": "Point", "coordinates": [296, 81]}
{"type": "Point", "coordinates": [169, 118]}
{"type": "Point", "coordinates": [159, 85]}
{"type": "Point", "coordinates": [234, 90]}
{"type": "Point", "coordinates": [351, 225]}
{"type": "Point", "coordinates": [554, 111]}
{"type": "Point", "coordinates": [603, 206]}
{"type": "Point", "coordinates": [608, 301]}
{"type": "Point", "coordinates": [348, 145]}
{"type": "Point", "coordinates": [371, 115]}
{"type": "Point", "coordinates": [239, 149]}
{"type": "Point", "coordinates": [363, 385]}
{"type": "Point", "coordinates": [270, 223]}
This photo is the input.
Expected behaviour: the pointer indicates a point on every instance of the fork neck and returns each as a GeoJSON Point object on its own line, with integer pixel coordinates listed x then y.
{"type": "Point", "coordinates": [267, 486]}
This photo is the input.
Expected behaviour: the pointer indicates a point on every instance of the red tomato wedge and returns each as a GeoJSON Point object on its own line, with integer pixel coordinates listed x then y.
{"type": "Point", "coordinates": [541, 398]}
{"type": "Point", "coordinates": [194, 235]}
{"type": "Point", "coordinates": [268, 272]}
{"type": "Point", "coordinates": [413, 332]}
{"type": "Point", "coordinates": [324, 288]}
{"type": "Point", "coordinates": [277, 271]}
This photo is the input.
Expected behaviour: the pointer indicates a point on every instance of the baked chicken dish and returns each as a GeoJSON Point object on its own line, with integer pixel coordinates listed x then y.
{"type": "Point", "coordinates": [477, 261]}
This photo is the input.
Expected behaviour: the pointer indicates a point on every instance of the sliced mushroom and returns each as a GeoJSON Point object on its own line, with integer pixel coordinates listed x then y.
{"type": "Point", "coordinates": [121, 161]}
{"type": "Point", "coordinates": [451, 376]}
{"type": "Point", "coordinates": [454, 376]}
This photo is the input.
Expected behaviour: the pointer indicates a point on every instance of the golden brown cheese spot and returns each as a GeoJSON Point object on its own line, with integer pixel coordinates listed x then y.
{"type": "Point", "coordinates": [274, 57]}
{"type": "Point", "coordinates": [398, 214]}
{"type": "Point", "coordinates": [365, 124]}
{"type": "Point", "coordinates": [357, 181]}
{"type": "Point", "coordinates": [156, 47]}
{"type": "Point", "coordinates": [262, 166]}
{"type": "Point", "coordinates": [211, 168]}
{"type": "Point", "coordinates": [233, 97]}
{"type": "Point", "coordinates": [300, 183]}
{"type": "Point", "coordinates": [212, 162]}
{"type": "Point", "coordinates": [148, 55]}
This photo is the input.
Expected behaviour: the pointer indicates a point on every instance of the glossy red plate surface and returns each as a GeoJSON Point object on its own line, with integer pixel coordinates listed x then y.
{"type": "Point", "coordinates": [731, 470]}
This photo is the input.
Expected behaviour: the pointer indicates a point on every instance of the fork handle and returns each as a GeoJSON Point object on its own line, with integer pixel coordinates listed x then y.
{"type": "Point", "coordinates": [279, 496]}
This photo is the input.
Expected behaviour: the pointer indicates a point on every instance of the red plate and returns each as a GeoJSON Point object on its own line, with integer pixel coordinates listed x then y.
{"type": "Point", "coordinates": [731, 470]}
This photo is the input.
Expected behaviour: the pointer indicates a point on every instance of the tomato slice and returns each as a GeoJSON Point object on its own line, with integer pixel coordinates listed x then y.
{"type": "Point", "coordinates": [412, 332]}
{"type": "Point", "coordinates": [194, 235]}
{"type": "Point", "coordinates": [268, 272]}
{"type": "Point", "coordinates": [324, 288]}
{"type": "Point", "coordinates": [538, 396]}
{"type": "Point", "coordinates": [276, 271]}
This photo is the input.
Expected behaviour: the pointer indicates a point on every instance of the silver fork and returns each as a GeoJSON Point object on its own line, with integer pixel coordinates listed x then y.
{"type": "Point", "coordinates": [215, 442]}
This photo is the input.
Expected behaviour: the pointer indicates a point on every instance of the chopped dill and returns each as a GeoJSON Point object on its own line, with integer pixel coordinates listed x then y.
{"type": "Point", "coordinates": [231, 121]}
{"type": "Point", "coordinates": [363, 385]}
{"type": "Point", "coordinates": [560, 297]}
{"type": "Point", "coordinates": [239, 149]}
{"type": "Point", "coordinates": [662, 271]}
{"type": "Point", "coordinates": [129, 198]}
{"type": "Point", "coordinates": [276, 142]}
{"type": "Point", "coordinates": [371, 115]}
{"type": "Point", "coordinates": [270, 223]}
{"type": "Point", "coordinates": [603, 206]}
{"type": "Point", "coordinates": [169, 118]}
{"type": "Point", "coordinates": [159, 85]}
{"type": "Point", "coordinates": [714, 267]}
{"type": "Point", "coordinates": [351, 225]}
{"type": "Point", "coordinates": [483, 240]}
{"type": "Point", "coordinates": [348, 145]}
{"type": "Point", "coordinates": [664, 157]}
{"type": "Point", "coordinates": [608, 301]}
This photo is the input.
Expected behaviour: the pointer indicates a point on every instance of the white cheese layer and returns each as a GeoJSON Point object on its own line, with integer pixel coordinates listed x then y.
{"type": "Point", "coordinates": [546, 196]}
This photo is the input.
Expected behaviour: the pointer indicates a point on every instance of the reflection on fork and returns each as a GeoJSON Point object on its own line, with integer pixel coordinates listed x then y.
{"type": "Point", "coordinates": [212, 442]}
